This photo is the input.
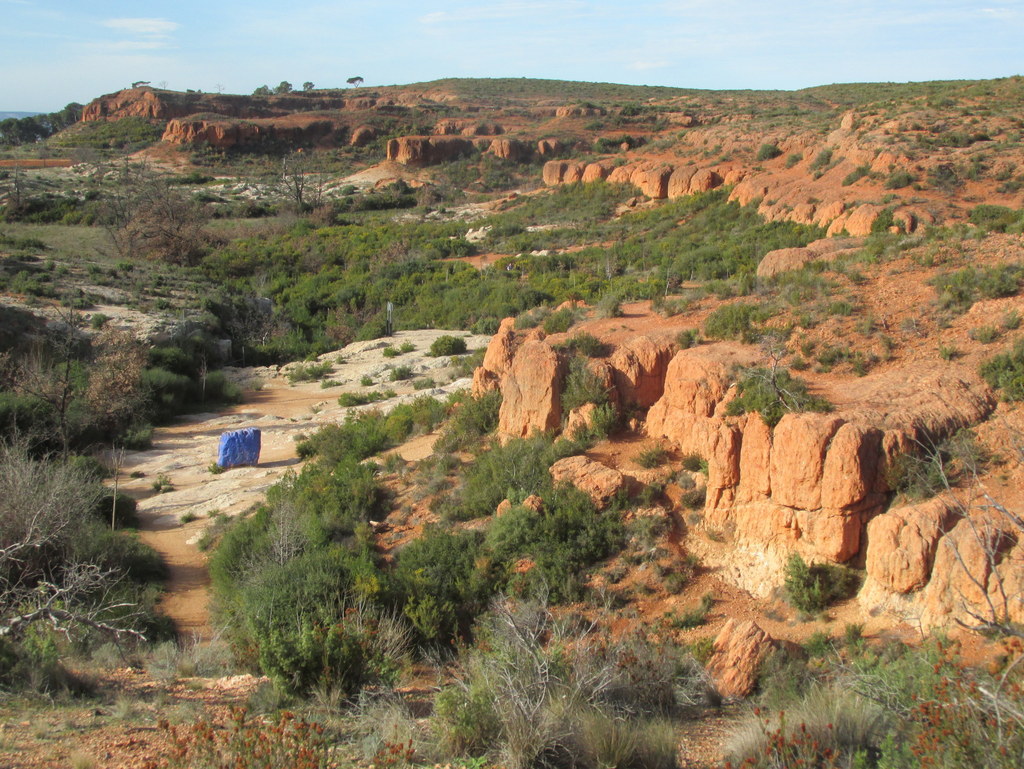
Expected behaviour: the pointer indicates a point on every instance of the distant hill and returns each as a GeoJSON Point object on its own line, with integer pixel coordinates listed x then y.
{"type": "Point", "coordinates": [5, 115]}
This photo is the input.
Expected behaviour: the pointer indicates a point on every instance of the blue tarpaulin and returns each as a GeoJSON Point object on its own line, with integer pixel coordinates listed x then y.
{"type": "Point", "coordinates": [239, 447]}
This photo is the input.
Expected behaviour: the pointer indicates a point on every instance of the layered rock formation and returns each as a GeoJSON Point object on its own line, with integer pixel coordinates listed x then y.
{"type": "Point", "coordinates": [427, 150]}
{"type": "Point", "coordinates": [816, 484]}
{"type": "Point", "coordinates": [225, 134]}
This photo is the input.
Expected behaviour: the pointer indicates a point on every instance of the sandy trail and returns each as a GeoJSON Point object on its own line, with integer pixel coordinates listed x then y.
{"type": "Point", "coordinates": [173, 522]}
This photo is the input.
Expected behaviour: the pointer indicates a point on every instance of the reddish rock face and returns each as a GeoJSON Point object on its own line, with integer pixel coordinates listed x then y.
{"type": "Point", "coordinates": [363, 135]}
{"type": "Point", "coordinates": [597, 481]}
{"type": "Point", "coordinates": [739, 650]}
{"type": "Point", "coordinates": [548, 147]}
{"type": "Point", "coordinates": [903, 542]}
{"type": "Point", "coordinates": [531, 391]}
{"type": "Point", "coordinates": [224, 134]}
{"type": "Point", "coordinates": [509, 149]}
{"type": "Point", "coordinates": [427, 150]}
{"type": "Point", "coordinates": [497, 359]}
{"type": "Point", "coordinates": [639, 367]}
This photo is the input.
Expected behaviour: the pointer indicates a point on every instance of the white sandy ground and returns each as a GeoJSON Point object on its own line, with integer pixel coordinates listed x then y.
{"type": "Point", "coordinates": [184, 452]}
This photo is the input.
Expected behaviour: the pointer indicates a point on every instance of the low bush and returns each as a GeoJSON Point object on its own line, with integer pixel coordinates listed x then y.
{"type": "Point", "coordinates": [652, 456]}
{"type": "Point", "coordinates": [1005, 372]}
{"type": "Point", "coordinates": [773, 394]}
{"type": "Point", "coordinates": [768, 151]}
{"type": "Point", "coordinates": [471, 419]}
{"type": "Point", "coordinates": [559, 321]}
{"type": "Point", "coordinates": [309, 372]}
{"type": "Point", "coordinates": [735, 321]}
{"type": "Point", "coordinates": [447, 345]}
{"type": "Point", "coordinates": [582, 386]}
{"type": "Point", "coordinates": [812, 588]}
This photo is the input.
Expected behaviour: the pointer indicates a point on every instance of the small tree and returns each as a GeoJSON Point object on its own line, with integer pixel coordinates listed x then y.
{"type": "Point", "coordinates": [283, 87]}
{"type": "Point", "coordinates": [355, 81]}
{"type": "Point", "coordinates": [307, 86]}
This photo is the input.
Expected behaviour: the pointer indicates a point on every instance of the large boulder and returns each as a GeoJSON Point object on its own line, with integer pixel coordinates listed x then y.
{"type": "Point", "coordinates": [599, 482]}
{"type": "Point", "coordinates": [531, 390]}
{"type": "Point", "coordinates": [903, 541]}
{"type": "Point", "coordinates": [739, 650]}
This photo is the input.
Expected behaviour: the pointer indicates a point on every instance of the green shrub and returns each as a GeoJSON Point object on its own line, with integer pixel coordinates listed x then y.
{"type": "Point", "coordinates": [309, 372]}
{"type": "Point", "coordinates": [996, 218]}
{"type": "Point", "coordinates": [514, 470]}
{"type": "Point", "coordinates": [443, 584]}
{"type": "Point", "coordinates": [471, 419]}
{"type": "Point", "coordinates": [562, 542]}
{"type": "Point", "coordinates": [652, 456]}
{"type": "Point", "coordinates": [400, 373]}
{"type": "Point", "coordinates": [899, 179]}
{"type": "Point", "coordinates": [447, 345]}
{"type": "Point", "coordinates": [560, 321]}
{"type": "Point", "coordinates": [856, 174]}
{"type": "Point", "coordinates": [1005, 372]}
{"type": "Point", "coordinates": [768, 151]}
{"type": "Point", "coordinates": [696, 616]}
{"type": "Point", "coordinates": [735, 321]}
{"type": "Point", "coordinates": [812, 588]}
{"type": "Point", "coordinates": [582, 386]}
{"type": "Point", "coordinates": [587, 344]}
{"type": "Point", "coordinates": [773, 394]}
{"type": "Point", "coordinates": [298, 617]}
{"type": "Point", "coordinates": [821, 160]}
{"type": "Point", "coordinates": [609, 306]}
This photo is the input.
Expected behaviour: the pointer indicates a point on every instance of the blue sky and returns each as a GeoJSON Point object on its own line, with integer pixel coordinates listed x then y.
{"type": "Point", "coordinates": [56, 51]}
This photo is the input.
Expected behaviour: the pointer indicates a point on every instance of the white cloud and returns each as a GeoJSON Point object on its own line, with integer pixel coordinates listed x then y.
{"type": "Point", "coordinates": [504, 10]}
{"type": "Point", "coordinates": [641, 66]}
{"type": "Point", "coordinates": [151, 28]}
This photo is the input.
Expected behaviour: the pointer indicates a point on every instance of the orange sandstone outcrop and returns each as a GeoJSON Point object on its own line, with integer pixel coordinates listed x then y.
{"type": "Point", "coordinates": [531, 390]}
{"type": "Point", "coordinates": [427, 150]}
{"type": "Point", "coordinates": [739, 649]}
{"type": "Point", "coordinates": [903, 542]}
{"type": "Point", "coordinates": [497, 359]}
{"type": "Point", "coordinates": [825, 250]}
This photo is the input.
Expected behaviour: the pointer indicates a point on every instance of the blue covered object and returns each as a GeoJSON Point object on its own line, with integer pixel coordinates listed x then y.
{"type": "Point", "coordinates": [239, 447]}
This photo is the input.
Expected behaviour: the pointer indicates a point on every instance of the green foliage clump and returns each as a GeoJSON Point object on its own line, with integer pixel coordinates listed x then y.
{"type": "Point", "coordinates": [1005, 372]}
{"type": "Point", "coordinates": [652, 456]}
{"type": "Point", "coordinates": [899, 179]}
{"type": "Point", "coordinates": [443, 583]}
{"type": "Point", "coordinates": [768, 151]}
{"type": "Point", "coordinates": [582, 386]}
{"type": "Point", "coordinates": [587, 344]}
{"type": "Point", "coordinates": [996, 218]}
{"type": "Point", "coordinates": [512, 470]}
{"type": "Point", "coordinates": [772, 394]}
{"type": "Point", "coordinates": [447, 345]}
{"type": "Point", "coordinates": [812, 588]}
{"type": "Point", "coordinates": [959, 290]}
{"type": "Point", "coordinates": [735, 321]}
{"type": "Point", "coordinates": [559, 321]}
{"type": "Point", "coordinates": [309, 372]}
{"type": "Point", "coordinates": [562, 541]}
{"type": "Point", "coordinates": [471, 419]}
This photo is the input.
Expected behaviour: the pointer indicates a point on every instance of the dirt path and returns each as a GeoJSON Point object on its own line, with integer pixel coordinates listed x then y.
{"type": "Point", "coordinates": [173, 521]}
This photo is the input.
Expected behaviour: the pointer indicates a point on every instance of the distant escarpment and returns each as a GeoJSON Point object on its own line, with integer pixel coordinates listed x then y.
{"type": "Point", "coordinates": [817, 484]}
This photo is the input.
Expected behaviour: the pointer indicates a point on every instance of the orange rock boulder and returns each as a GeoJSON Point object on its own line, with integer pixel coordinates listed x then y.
{"type": "Point", "coordinates": [739, 650]}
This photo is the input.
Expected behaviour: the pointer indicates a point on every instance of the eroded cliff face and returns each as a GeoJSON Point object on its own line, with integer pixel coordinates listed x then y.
{"type": "Point", "coordinates": [226, 134]}
{"type": "Point", "coordinates": [815, 484]}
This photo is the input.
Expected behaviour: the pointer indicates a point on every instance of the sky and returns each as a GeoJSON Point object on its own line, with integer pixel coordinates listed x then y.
{"type": "Point", "coordinates": [53, 52]}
